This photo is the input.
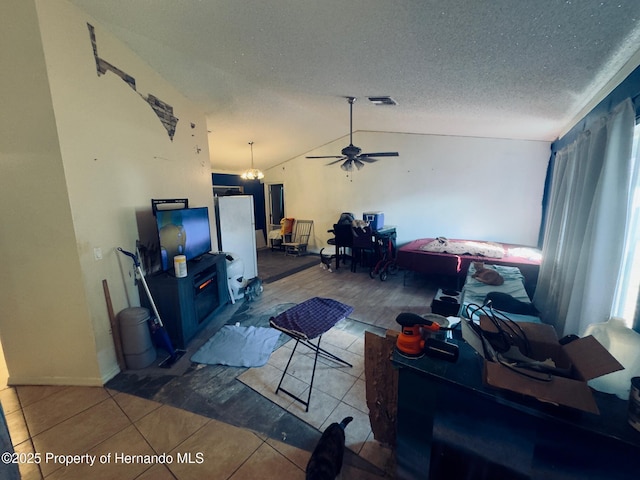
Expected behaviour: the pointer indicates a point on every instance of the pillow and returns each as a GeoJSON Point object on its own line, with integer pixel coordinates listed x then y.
{"type": "Point", "coordinates": [286, 226]}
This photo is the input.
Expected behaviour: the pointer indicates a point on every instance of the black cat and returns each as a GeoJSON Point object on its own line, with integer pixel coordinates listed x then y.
{"type": "Point", "coordinates": [325, 260]}
{"type": "Point", "coordinates": [326, 460]}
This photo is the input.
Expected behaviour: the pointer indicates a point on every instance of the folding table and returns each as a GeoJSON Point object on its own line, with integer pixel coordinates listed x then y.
{"type": "Point", "coordinates": [305, 322]}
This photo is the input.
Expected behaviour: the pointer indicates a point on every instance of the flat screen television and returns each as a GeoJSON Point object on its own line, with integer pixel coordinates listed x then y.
{"type": "Point", "coordinates": [183, 232]}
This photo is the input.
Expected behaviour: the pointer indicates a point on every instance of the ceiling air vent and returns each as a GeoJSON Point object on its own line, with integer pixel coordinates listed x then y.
{"type": "Point", "coordinates": [382, 101]}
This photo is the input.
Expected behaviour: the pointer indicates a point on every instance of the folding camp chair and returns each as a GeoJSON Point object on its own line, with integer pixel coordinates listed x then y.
{"type": "Point", "coordinates": [305, 322]}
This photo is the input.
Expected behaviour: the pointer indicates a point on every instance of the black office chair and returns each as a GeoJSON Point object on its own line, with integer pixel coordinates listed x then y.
{"type": "Point", "coordinates": [342, 240]}
{"type": "Point", "coordinates": [364, 247]}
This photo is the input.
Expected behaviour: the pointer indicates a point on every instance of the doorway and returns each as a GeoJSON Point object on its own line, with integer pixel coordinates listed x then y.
{"type": "Point", "coordinates": [276, 203]}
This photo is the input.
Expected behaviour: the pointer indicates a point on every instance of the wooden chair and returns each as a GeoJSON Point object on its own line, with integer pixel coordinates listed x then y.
{"type": "Point", "coordinates": [299, 239]}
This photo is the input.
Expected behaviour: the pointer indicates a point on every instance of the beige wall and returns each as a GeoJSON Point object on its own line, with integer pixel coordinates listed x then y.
{"type": "Point", "coordinates": [44, 313]}
{"type": "Point", "coordinates": [90, 155]}
{"type": "Point", "coordinates": [456, 187]}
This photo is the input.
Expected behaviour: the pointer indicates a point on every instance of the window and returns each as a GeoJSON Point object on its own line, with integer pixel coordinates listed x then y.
{"type": "Point", "coordinates": [626, 301]}
{"type": "Point", "coordinates": [224, 190]}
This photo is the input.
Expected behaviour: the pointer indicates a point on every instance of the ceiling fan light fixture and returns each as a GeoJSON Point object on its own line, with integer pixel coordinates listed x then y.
{"type": "Point", "coordinates": [352, 155]}
{"type": "Point", "coordinates": [252, 173]}
{"type": "Point", "coordinates": [386, 100]}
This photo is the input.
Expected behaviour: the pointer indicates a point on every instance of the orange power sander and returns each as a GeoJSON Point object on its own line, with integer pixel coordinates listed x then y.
{"type": "Point", "coordinates": [415, 339]}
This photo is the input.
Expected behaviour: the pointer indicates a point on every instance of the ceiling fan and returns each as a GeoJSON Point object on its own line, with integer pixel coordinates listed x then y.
{"type": "Point", "coordinates": [351, 154]}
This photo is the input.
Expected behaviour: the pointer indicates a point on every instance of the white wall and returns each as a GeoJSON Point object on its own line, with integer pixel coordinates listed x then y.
{"type": "Point", "coordinates": [457, 187]}
{"type": "Point", "coordinates": [102, 156]}
{"type": "Point", "coordinates": [44, 325]}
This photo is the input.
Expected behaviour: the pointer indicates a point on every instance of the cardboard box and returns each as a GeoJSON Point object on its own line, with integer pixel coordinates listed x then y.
{"type": "Point", "coordinates": [579, 361]}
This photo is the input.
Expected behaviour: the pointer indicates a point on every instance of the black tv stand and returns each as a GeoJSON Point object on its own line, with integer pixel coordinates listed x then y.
{"type": "Point", "coordinates": [200, 258]}
{"type": "Point", "coordinates": [187, 304]}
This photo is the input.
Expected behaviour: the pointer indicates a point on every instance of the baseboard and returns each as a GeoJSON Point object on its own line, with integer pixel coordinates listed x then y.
{"type": "Point", "coordinates": [110, 374]}
{"type": "Point", "coordinates": [18, 380]}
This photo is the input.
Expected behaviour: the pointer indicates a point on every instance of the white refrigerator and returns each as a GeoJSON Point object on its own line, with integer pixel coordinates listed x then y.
{"type": "Point", "coordinates": [237, 230]}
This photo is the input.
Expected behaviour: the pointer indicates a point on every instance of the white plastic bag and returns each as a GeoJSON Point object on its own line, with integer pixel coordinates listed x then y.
{"type": "Point", "coordinates": [624, 344]}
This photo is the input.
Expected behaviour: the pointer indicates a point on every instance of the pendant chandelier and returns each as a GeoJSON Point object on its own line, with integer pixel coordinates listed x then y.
{"type": "Point", "coordinates": [252, 173]}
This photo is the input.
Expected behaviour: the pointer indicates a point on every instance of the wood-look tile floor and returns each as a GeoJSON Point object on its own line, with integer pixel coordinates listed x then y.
{"type": "Point", "coordinates": [106, 424]}
{"type": "Point", "coordinates": [375, 302]}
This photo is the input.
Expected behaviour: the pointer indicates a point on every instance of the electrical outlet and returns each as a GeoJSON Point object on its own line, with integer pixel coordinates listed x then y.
{"type": "Point", "coordinates": [97, 253]}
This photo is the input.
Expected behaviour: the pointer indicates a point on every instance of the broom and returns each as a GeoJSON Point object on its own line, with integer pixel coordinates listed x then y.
{"type": "Point", "coordinates": [158, 332]}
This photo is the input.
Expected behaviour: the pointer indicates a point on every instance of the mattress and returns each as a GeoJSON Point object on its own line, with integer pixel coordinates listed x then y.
{"type": "Point", "coordinates": [474, 292]}
{"type": "Point", "coordinates": [413, 256]}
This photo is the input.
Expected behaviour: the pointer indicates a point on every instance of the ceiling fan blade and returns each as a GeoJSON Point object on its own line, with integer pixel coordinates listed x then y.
{"type": "Point", "coordinates": [339, 159]}
{"type": "Point", "coordinates": [367, 159]}
{"type": "Point", "coordinates": [328, 156]}
{"type": "Point", "coordinates": [379, 154]}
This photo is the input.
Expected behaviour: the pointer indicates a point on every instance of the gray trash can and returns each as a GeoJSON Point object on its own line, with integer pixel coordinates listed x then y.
{"type": "Point", "coordinates": [136, 339]}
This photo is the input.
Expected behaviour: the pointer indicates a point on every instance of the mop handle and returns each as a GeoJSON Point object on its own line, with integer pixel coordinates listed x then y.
{"type": "Point", "coordinates": [146, 289]}
{"type": "Point", "coordinates": [133, 256]}
{"type": "Point", "coordinates": [136, 263]}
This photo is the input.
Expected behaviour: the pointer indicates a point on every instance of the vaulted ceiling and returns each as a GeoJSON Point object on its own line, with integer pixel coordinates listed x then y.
{"type": "Point", "coordinates": [276, 72]}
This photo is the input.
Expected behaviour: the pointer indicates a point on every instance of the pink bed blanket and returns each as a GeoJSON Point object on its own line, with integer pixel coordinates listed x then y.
{"type": "Point", "coordinates": [414, 256]}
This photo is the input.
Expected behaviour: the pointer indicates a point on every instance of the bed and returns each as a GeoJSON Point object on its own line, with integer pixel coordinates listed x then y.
{"type": "Point", "coordinates": [474, 292]}
{"type": "Point", "coordinates": [419, 256]}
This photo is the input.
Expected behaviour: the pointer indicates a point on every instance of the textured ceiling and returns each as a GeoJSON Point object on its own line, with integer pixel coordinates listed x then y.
{"type": "Point", "coordinates": [275, 71]}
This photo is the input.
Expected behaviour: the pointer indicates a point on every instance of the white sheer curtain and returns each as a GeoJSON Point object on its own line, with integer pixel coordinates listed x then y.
{"type": "Point", "coordinates": [585, 228]}
{"type": "Point", "coordinates": [626, 301]}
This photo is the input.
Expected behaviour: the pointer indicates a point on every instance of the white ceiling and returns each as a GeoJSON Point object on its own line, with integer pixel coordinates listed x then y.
{"type": "Point", "coordinates": [275, 71]}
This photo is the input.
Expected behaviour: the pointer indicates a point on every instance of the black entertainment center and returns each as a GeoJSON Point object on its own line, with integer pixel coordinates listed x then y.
{"type": "Point", "coordinates": [187, 304]}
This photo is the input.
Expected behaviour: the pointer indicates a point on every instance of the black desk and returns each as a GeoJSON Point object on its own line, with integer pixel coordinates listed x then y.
{"type": "Point", "coordinates": [450, 426]}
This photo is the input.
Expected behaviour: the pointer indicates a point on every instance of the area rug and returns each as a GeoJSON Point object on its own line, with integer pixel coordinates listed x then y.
{"type": "Point", "coordinates": [338, 391]}
{"type": "Point", "coordinates": [238, 346]}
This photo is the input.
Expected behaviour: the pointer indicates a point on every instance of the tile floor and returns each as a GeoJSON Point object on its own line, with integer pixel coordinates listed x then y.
{"type": "Point", "coordinates": [214, 391]}
{"type": "Point", "coordinates": [338, 391]}
{"type": "Point", "coordinates": [107, 421]}
{"type": "Point", "coordinates": [162, 442]}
